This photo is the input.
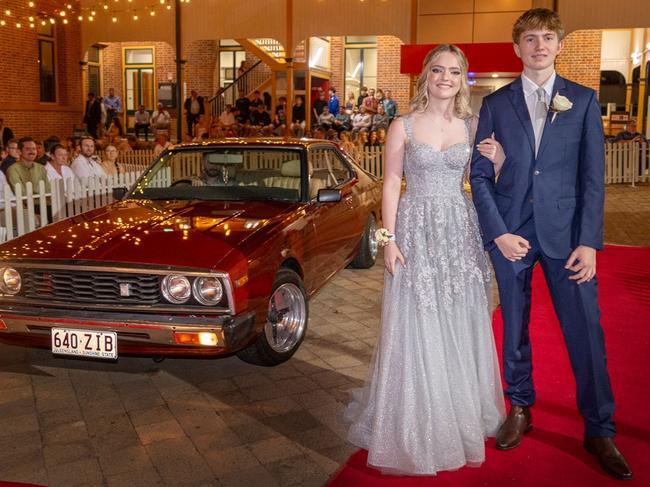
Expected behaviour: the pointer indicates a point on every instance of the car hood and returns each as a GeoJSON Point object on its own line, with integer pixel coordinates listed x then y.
{"type": "Point", "coordinates": [196, 234]}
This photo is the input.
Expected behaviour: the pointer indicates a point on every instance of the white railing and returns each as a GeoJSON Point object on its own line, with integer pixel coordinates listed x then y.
{"type": "Point", "coordinates": [25, 209]}
{"type": "Point", "coordinates": [627, 162]}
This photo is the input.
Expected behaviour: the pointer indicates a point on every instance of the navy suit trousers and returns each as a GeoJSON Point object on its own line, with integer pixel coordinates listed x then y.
{"type": "Point", "coordinates": [576, 306]}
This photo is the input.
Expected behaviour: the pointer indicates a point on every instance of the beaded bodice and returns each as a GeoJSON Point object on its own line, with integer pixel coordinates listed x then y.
{"type": "Point", "coordinates": [432, 172]}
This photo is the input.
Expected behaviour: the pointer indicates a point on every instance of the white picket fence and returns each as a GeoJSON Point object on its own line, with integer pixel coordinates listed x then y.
{"type": "Point", "coordinates": [25, 209]}
{"type": "Point", "coordinates": [627, 162]}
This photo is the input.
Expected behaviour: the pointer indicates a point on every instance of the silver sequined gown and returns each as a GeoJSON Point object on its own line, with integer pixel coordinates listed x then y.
{"type": "Point", "coordinates": [434, 392]}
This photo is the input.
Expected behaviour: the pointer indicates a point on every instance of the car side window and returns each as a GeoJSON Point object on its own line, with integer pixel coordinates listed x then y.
{"type": "Point", "coordinates": [327, 168]}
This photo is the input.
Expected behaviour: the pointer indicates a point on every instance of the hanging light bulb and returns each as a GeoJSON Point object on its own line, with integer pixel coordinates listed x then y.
{"type": "Point", "coordinates": [105, 7]}
{"type": "Point", "coordinates": [31, 4]}
{"type": "Point", "coordinates": [31, 26]}
{"type": "Point", "coordinates": [18, 26]}
{"type": "Point", "coordinates": [3, 23]}
{"type": "Point", "coordinates": [31, 19]}
{"type": "Point", "coordinates": [62, 13]}
{"type": "Point", "coordinates": [69, 6]}
{"type": "Point", "coordinates": [114, 19]}
{"type": "Point", "coordinates": [52, 21]}
{"type": "Point", "coordinates": [152, 13]}
{"type": "Point", "coordinates": [80, 18]}
{"type": "Point", "coordinates": [7, 12]}
{"type": "Point", "coordinates": [91, 18]}
{"type": "Point", "coordinates": [135, 17]}
{"type": "Point", "coordinates": [92, 13]}
{"type": "Point", "coordinates": [65, 21]}
{"type": "Point", "coordinates": [43, 22]}
{"type": "Point", "coordinates": [169, 7]}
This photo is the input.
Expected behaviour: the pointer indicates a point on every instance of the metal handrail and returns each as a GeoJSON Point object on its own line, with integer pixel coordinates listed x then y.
{"type": "Point", "coordinates": [248, 81]}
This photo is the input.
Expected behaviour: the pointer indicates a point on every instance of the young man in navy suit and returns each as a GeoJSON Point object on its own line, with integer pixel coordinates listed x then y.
{"type": "Point", "coordinates": [546, 206]}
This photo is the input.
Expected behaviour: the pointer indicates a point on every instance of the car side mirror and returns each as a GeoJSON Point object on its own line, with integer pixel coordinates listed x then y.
{"type": "Point", "coordinates": [329, 195]}
{"type": "Point", "coordinates": [119, 193]}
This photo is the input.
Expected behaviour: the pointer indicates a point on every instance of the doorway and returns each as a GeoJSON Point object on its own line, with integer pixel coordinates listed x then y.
{"type": "Point", "coordinates": [139, 82]}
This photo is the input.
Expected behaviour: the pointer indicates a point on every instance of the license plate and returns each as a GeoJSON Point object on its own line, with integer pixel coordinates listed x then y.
{"type": "Point", "coordinates": [84, 343]}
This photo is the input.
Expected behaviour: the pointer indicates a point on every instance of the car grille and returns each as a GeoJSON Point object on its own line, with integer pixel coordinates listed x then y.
{"type": "Point", "coordinates": [95, 287]}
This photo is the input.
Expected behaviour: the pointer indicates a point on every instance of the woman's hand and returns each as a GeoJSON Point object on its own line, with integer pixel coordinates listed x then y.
{"type": "Point", "coordinates": [391, 255]}
{"type": "Point", "coordinates": [492, 150]}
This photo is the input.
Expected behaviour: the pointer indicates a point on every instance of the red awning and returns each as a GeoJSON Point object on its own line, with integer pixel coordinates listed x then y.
{"type": "Point", "coordinates": [495, 57]}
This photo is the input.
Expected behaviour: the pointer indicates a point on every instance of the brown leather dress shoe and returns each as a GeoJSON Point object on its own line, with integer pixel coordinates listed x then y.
{"type": "Point", "coordinates": [610, 459]}
{"type": "Point", "coordinates": [517, 424]}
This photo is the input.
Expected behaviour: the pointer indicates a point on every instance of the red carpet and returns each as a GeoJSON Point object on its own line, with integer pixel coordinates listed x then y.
{"type": "Point", "coordinates": [552, 454]}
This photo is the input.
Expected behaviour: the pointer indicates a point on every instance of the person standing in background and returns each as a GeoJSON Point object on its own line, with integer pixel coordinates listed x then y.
{"type": "Point", "coordinates": [92, 115]}
{"type": "Point", "coordinates": [333, 103]}
{"type": "Point", "coordinates": [194, 108]}
{"type": "Point", "coordinates": [113, 104]}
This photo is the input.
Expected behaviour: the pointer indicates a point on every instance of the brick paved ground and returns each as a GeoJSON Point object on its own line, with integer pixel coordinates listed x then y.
{"type": "Point", "coordinates": [213, 422]}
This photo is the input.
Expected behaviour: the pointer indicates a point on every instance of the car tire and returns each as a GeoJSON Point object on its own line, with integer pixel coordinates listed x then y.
{"type": "Point", "coordinates": [285, 328]}
{"type": "Point", "coordinates": [367, 254]}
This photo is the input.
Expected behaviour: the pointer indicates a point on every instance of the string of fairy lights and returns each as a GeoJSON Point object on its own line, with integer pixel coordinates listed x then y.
{"type": "Point", "coordinates": [108, 10]}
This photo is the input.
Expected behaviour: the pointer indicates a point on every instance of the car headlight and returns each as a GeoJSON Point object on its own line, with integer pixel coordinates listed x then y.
{"type": "Point", "coordinates": [207, 290]}
{"type": "Point", "coordinates": [10, 281]}
{"type": "Point", "coordinates": [176, 288]}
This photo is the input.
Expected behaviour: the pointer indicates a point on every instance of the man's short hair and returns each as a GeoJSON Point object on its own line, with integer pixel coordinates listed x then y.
{"type": "Point", "coordinates": [55, 148]}
{"type": "Point", "coordinates": [91, 94]}
{"type": "Point", "coordinates": [333, 90]}
{"type": "Point", "coordinates": [537, 19]}
{"type": "Point", "coordinates": [86, 137]}
{"type": "Point", "coordinates": [12, 141]}
{"type": "Point", "coordinates": [50, 141]}
{"type": "Point", "coordinates": [22, 141]}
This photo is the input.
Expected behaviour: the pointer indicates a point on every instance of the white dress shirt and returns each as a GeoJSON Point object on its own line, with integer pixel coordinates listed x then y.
{"type": "Point", "coordinates": [160, 119]}
{"type": "Point", "coordinates": [66, 174]}
{"type": "Point", "coordinates": [530, 95]}
{"type": "Point", "coordinates": [3, 183]}
{"type": "Point", "coordinates": [84, 167]}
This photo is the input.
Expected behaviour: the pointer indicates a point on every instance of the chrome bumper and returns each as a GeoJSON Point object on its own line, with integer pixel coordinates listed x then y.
{"type": "Point", "coordinates": [147, 331]}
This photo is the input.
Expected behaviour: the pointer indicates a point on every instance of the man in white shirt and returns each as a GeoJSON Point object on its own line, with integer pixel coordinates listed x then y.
{"type": "Point", "coordinates": [57, 167]}
{"type": "Point", "coordinates": [142, 122]}
{"type": "Point", "coordinates": [160, 119]}
{"type": "Point", "coordinates": [86, 163]}
{"type": "Point", "coordinates": [162, 143]}
{"type": "Point", "coordinates": [4, 184]}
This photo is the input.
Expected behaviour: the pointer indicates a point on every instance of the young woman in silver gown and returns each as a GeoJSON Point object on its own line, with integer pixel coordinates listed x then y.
{"type": "Point", "coordinates": [434, 392]}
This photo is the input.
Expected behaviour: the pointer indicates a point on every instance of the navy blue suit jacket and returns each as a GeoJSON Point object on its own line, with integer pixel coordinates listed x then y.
{"type": "Point", "coordinates": [562, 188]}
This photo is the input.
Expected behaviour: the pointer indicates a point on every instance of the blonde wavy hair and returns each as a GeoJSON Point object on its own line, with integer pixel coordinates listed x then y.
{"type": "Point", "coordinates": [420, 101]}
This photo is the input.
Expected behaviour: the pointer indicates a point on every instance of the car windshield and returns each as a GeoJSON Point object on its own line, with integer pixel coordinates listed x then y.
{"type": "Point", "coordinates": [223, 173]}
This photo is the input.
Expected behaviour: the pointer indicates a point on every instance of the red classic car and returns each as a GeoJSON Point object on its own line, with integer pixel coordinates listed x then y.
{"type": "Point", "coordinates": [216, 249]}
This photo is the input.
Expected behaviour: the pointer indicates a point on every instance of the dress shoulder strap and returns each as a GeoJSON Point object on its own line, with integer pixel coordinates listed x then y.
{"type": "Point", "coordinates": [408, 127]}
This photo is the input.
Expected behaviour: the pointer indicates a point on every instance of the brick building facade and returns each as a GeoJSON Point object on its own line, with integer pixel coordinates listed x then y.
{"type": "Point", "coordinates": [579, 60]}
{"type": "Point", "coordinates": [388, 69]}
{"type": "Point", "coordinates": [20, 88]}
{"type": "Point", "coordinates": [23, 111]}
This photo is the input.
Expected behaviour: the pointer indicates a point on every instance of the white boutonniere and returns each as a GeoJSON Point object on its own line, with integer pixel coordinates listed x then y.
{"type": "Point", "coordinates": [560, 104]}
{"type": "Point", "coordinates": [383, 236]}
